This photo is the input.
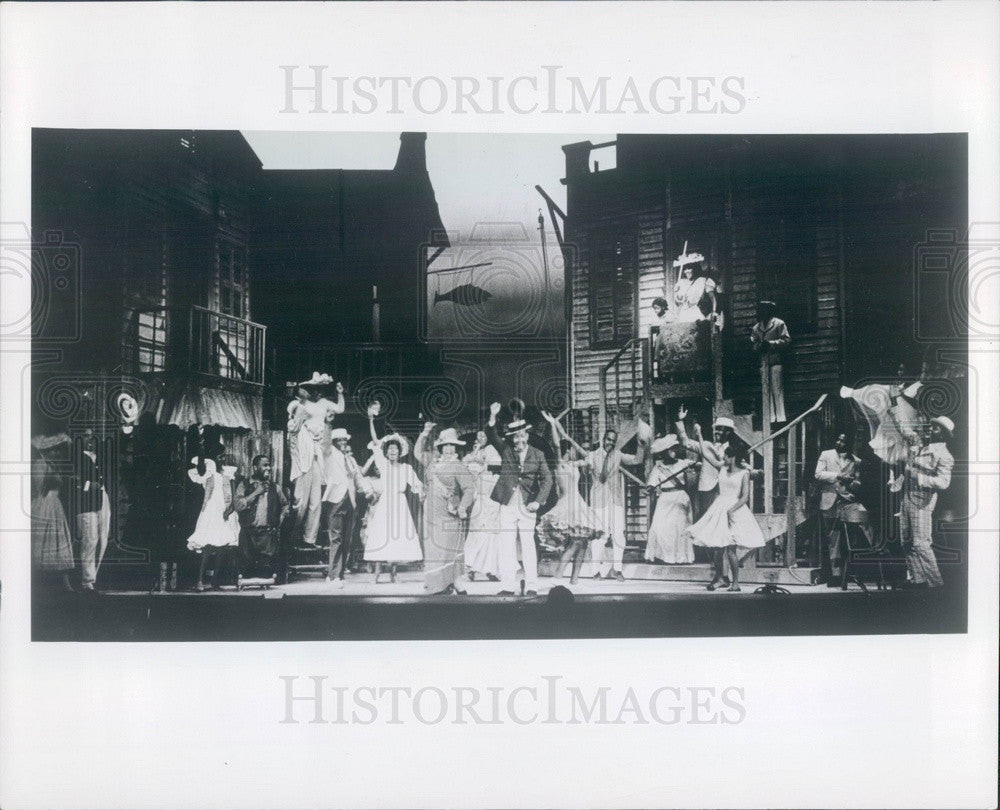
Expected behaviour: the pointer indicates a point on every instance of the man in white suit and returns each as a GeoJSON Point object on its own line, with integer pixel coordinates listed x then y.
{"type": "Point", "coordinates": [928, 472]}
{"type": "Point", "coordinates": [838, 474]}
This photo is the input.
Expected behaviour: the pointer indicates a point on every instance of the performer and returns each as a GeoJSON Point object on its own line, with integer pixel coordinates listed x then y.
{"type": "Point", "coordinates": [309, 425]}
{"type": "Point", "coordinates": [571, 524]}
{"type": "Point", "coordinates": [51, 544]}
{"type": "Point", "coordinates": [838, 474]}
{"type": "Point", "coordinates": [262, 508]}
{"type": "Point", "coordinates": [93, 511]}
{"type": "Point", "coordinates": [607, 499]}
{"type": "Point", "coordinates": [729, 524]}
{"type": "Point", "coordinates": [523, 485]}
{"type": "Point", "coordinates": [340, 498]}
{"type": "Point", "coordinates": [217, 528]}
{"type": "Point", "coordinates": [770, 338]}
{"type": "Point", "coordinates": [482, 548]}
{"type": "Point", "coordinates": [391, 537]}
{"type": "Point", "coordinates": [927, 472]}
{"type": "Point", "coordinates": [668, 540]}
{"type": "Point", "coordinates": [449, 491]}
{"type": "Point", "coordinates": [691, 287]}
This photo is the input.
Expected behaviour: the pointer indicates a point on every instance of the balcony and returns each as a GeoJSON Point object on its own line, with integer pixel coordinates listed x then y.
{"type": "Point", "coordinates": [195, 341]}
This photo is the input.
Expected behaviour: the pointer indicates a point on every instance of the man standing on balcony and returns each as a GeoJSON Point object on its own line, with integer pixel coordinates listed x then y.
{"type": "Point", "coordinates": [607, 498]}
{"type": "Point", "coordinates": [770, 339]}
{"type": "Point", "coordinates": [523, 486]}
{"type": "Point", "coordinates": [309, 424]}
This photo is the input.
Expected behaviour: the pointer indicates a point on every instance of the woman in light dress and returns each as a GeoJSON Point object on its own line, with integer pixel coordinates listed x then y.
{"type": "Point", "coordinates": [482, 546]}
{"type": "Point", "coordinates": [668, 540]}
{"type": "Point", "coordinates": [391, 536]}
{"type": "Point", "coordinates": [691, 287]}
{"type": "Point", "coordinates": [51, 546]}
{"type": "Point", "coordinates": [217, 531]}
{"type": "Point", "coordinates": [728, 523]}
{"type": "Point", "coordinates": [571, 524]}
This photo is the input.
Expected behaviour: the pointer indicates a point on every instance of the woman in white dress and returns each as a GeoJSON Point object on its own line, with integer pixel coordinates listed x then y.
{"type": "Point", "coordinates": [218, 527]}
{"type": "Point", "coordinates": [391, 536]}
{"type": "Point", "coordinates": [482, 545]}
{"type": "Point", "coordinates": [729, 523]}
{"type": "Point", "coordinates": [668, 540]}
{"type": "Point", "coordinates": [51, 544]}
{"type": "Point", "coordinates": [571, 524]}
{"type": "Point", "coordinates": [690, 288]}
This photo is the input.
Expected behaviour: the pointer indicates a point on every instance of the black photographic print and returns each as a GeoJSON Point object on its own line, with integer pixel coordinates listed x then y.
{"type": "Point", "coordinates": [443, 386]}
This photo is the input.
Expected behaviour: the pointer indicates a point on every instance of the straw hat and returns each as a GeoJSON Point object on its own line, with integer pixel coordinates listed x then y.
{"type": "Point", "coordinates": [404, 445]}
{"type": "Point", "coordinates": [339, 433]}
{"type": "Point", "coordinates": [664, 443]}
{"type": "Point", "coordinates": [515, 427]}
{"type": "Point", "coordinates": [724, 422]}
{"type": "Point", "coordinates": [944, 423]}
{"type": "Point", "coordinates": [449, 436]}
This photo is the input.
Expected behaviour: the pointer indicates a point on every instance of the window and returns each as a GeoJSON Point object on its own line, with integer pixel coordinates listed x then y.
{"type": "Point", "coordinates": [786, 248]}
{"type": "Point", "coordinates": [145, 333]}
{"type": "Point", "coordinates": [233, 297]}
{"type": "Point", "coordinates": [613, 286]}
{"type": "Point", "coordinates": [232, 337]}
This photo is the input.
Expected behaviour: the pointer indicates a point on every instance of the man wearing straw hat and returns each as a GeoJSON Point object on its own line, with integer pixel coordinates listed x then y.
{"type": "Point", "coordinates": [927, 472]}
{"type": "Point", "coordinates": [449, 491]}
{"type": "Point", "coordinates": [523, 486]}
{"type": "Point", "coordinates": [343, 483]}
{"type": "Point", "coordinates": [309, 418]}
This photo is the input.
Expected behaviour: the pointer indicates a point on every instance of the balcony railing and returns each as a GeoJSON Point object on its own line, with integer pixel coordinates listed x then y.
{"type": "Point", "coordinates": [225, 346]}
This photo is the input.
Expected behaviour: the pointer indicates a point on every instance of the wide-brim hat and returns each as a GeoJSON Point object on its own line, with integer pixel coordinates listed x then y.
{"type": "Point", "coordinates": [515, 427]}
{"type": "Point", "coordinates": [944, 423]}
{"type": "Point", "coordinates": [48, 442]}
{"type": "Point", "coordinates": [724, 422]}
{"type": "Point", "coordinates": [339, 433]}
{"type": "Point", "coordinates": [449, 436]}
{"type": "Point", "coordinates": [688, 258]}
{"type": "Point", "coordinates": [664, 443]}
{"type": "Point", "coordinates": [317, 380]}
{"type": "Point", "coordinates": [404, 445]}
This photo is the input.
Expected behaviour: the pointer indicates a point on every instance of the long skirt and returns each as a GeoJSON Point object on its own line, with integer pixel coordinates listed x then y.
{"type": "Point", "coordinates": [669, 540]}
{"type": "Point", "coordinates": [51, 548]}
{"type": "Point", "coordinates": [482, 544]}
{"type": "Point", "coordinates": [391, 535]}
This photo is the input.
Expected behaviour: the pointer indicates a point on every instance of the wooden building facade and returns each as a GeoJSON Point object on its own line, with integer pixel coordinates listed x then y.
{"type": "Point", "coordinates": [828, 227]}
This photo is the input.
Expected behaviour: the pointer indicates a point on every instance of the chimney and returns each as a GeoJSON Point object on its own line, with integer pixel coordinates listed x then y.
{"type": "Point", "coordinates": [577, 159]}
{"type": "Point", "coordinates": [412, 153]}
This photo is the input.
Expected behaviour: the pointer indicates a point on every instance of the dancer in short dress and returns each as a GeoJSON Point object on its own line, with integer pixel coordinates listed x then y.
{"type": "Point", "coordinates": [668, 540]}
{"type": "Point", "coordinates": [571, 524]}
{"type": "Point", "coordinates": [391, 536]}
{"type": "Point", "coordinates": [218, 527]}
{"type": "Point", "coordinates": [482, 544]}
{"type": "Point", "coordinates": [729, 523]}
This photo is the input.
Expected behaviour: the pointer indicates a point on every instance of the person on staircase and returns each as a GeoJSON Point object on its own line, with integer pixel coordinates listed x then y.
{"type": "Point", "coordinates": [770, 339]}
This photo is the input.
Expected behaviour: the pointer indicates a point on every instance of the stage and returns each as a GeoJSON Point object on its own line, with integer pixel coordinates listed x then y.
{"type": "Point", "coordinates": [312, 609]}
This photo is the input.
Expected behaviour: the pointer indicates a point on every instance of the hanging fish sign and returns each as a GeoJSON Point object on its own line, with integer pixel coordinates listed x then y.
{"type": "Point", "coordinates": [466, 295]}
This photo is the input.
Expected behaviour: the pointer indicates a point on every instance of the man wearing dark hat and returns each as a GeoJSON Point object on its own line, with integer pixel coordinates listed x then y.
{"type": "Point", "coordinates": [524, 484]}
{"type": "Point", "coordinates": [770, 338]}
{"type": "Point", "coordinates": [927, 472]}
{"type": "Point", "coordinates": [449, 492]}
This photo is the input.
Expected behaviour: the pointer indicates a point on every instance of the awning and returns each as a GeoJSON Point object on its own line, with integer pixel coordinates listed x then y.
{"type": "Point", "coordinates": [188, 404]}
